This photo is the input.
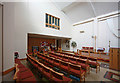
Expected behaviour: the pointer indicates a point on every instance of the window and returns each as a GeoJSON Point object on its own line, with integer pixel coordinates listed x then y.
{"type": "Point", "coordinates": [52, 22]}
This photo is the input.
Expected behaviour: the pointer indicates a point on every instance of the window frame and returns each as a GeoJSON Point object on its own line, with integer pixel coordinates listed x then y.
{"type": "Point", "coordinates": [49, 21]}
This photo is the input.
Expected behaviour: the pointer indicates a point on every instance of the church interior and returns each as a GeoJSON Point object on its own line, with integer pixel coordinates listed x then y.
{"type": "Point", "coordinates": [60, 41]}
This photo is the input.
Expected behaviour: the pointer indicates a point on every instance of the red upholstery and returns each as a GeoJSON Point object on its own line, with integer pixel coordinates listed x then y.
{"type": "Point", "coordinates": [84, 66]}
{"type": "Point", "coordinates": [81, 61]}
{"type": "Point", "coordinates": [91, 48]}
{"type": "Point", "coordinates": [20, 66]}
{"type": "Point", "coordinates": [40, 57]}
{"type": "Point", "coordinates": [91, 58]}
{"type": "Point", "coordinates": [83, 47]}
{"type": "Point", "coordinates": [30, 79]}
{"type": "Point", "coordinates": [87, 48]}
{"type": "Point", "coordinates": [66, 79]}
{"type": "Point", "coordinates": [54, 74]}
{"type": "Point", "coordinates": [44, 58]}
{"type": "Point", "coordinates": [47, 64]}
{"type": "Point", "coordinates": [23, 75]}
{"type": "Point", "coordinates": [46, 72]}
{"type": "Point", "coordinates": [75, 70]}
{"type": "Point", "coordinates": [40, 67]}
{"type": "Point", "coordinates": [35, 65]}
{"type": "Point", "coordinates": [83, 57]}
{"type": "Point", "coordinates": [65, 59]}
{"type": "Point", "coordinates": [74, 62]}
{"type": "Point", "coordinates": [57, 80]}
{"type": "Point", "coordinates": [49, 73]}
{"type": "Point", "coordinates": [93, 63]}
{"type": "Point", "coordinates": [56, 63]}
{"type": "Point", "coordinates": [64, 66]}
{"type": "Point", "coordinates": [23, 69]}
{"type": "Point", "coordinates": [50, 61]}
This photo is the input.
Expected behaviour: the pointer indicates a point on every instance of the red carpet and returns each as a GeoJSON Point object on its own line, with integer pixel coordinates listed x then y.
{"type": "Point", "coordinates": [111, 76]}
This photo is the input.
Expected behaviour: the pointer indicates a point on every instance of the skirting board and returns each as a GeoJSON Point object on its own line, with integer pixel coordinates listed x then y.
{"type": "Point", "coordinates": [7, 71]}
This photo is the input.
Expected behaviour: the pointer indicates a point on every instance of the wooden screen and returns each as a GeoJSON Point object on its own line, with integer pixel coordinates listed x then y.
{"type": "Point", "coordinates": [115, 58]}
{"type": "Point", "coordinates": [32, 41]}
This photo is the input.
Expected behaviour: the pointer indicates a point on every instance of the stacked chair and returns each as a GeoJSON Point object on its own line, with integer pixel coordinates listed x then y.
{"type": "Point", "coordinates": [22, 73]}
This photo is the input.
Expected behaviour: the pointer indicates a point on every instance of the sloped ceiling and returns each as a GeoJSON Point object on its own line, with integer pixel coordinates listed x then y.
{"type": "Point", "coordinates": [79, 11]}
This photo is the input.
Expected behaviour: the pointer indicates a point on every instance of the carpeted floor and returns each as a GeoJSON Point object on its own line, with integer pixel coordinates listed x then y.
{"type": "Point", "coordinates": [9, 77]}
{"type": "Point", "coordinates": [93, 76]}
{"type": "Point", "coordinates": [112, 76]}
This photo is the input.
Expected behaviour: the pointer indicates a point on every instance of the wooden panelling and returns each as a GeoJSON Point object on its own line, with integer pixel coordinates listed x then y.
{"type": "Point", "coordinates": [34, 41]}
{"type": "Point", "coordinates": [115, 58]}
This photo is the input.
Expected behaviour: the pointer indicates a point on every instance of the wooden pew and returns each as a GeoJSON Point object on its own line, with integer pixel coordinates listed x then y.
{"type": "Point", "coordinates": [77, 71]}
{"type": "Point", "coordinates": [50, 73]}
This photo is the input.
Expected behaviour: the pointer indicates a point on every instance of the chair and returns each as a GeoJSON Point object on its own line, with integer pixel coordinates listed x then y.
{"type": "Point", "coordinates": [46, 72]}
{"type": "Point", "coordinates": [65, 58]}
{"type": "Point", "coordinates": [40, 67]}
{"type": "Point", "coordinates": [84, 65]}
{"type": "Point", "coordinates": [77, 71]}
{"type": "Point", "coordinates": [56, 63]}
{"type": "Point", "coordinates": [93, 63]}
{"type": "Point", "coordinates": [72, 60]}
{"type": "Point", "coordinates": [83, 57]}
{"type": "Point", "coordinates": [64, 66]}
{"type": "Point", "coordinates": [50, 60]}
{"type": "Point", "coordinates": [59, 77]}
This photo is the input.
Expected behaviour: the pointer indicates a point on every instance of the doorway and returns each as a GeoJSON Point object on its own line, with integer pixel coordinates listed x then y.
{"type": "Point", "coordinates": [58, 43]}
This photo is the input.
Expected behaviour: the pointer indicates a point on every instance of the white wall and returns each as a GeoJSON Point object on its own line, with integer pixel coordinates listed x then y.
{"type": "Point", "coordinates": [0, 43]}
{"type": "Point", "coordinates": [100, 29]}
{"type": "Point", "coordinates": [83, 39]}
{"type": "Point", "coordinates": [105, 35]}
{"type": "Point", "coordinates": [23, 18]}
{"type": "Point", "coordinates": [8, 36]}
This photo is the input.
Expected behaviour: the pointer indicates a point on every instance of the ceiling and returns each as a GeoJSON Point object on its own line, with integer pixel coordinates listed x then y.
{"type": "Point", "coordinates": [78, 11]}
